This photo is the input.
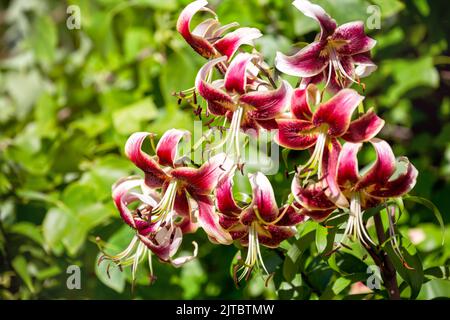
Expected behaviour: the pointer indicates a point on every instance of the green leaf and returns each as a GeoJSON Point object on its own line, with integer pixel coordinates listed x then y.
{"type": "Point", "coordinates": [43, 39]}
{"type": "Point", "coordinates": [436, 288]}
{"type": "Point", "coordinates": [430, 205]}
{"type": "Point", "coordinates": [133, 117]}
{"type": "Point", "coordinates": [29, 230]}
{"type": "Point", "coordinates": [321, 238]}
{"type": "Point", "coordinates": [413, 272]}
{"type": "Point", "coordinates": [55, 224]}
{"type": "Point", "coordinates": [294, 254]}
{"type": "Point", "coordinates": [20, 265]}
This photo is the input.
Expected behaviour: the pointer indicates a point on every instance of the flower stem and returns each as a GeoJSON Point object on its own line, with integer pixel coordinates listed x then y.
{"type": "Point", "coordinates": [382, 260]}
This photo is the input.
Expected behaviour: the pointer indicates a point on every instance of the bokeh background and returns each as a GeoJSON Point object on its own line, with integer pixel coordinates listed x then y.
{"type": "Point", "coordinates": [70, 98]}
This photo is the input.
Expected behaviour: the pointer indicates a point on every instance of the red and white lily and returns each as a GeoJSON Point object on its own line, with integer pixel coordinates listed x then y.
{"type": "Point", "coordinates": [340, 55]}
{"type": "Point", "coordinates": [386, 178]}
{"type": "Point", "coordinates": [258, 222]}
{"type": "Point", "coordinates": [241, 97]}
{"type": "Point", "coordinates": [208, 38]}
{"type": "Point", "coordinates": [180, 185]}
{"type": "Point", "coordinates": [150, 238]}
{"type": "Point", "coordinates": [321, 128]}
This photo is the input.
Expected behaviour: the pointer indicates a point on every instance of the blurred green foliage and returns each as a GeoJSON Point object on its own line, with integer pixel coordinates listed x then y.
{"type": "Point", "coordinates": [70, 98]}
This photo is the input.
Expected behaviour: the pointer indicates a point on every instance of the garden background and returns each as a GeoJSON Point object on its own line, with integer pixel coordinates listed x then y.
{"type": "Point", "coordinates": [69, 98]}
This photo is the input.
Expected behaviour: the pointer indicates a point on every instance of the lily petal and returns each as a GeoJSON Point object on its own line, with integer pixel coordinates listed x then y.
{"type": "Point", "coordinates": [277, 235]}
{"type": "Point", "coordinates": [209, 221]}
{"type": "Point", "coordinates": [219, 102]}
{"type": "Point", "coordinates": [329, 173]}
{"type": "Point", "coordinates": [204, 179]}
{"type": "Point", "coordinates": [400, 185]}
{"type": "Point", "coordinates": [295, 134]}
{"type": "Point", "coordinates": [311, 197]}
{"type": "Point", "coordinates": [161, 244]}
{"type": "Point", "coordinates": [231, 42]}
{"type": "Point", "coordinates": [348, 171]}
{"type": "Point", "coordinates": [307, 62]}
{"type": "Point", "coordinates": [167, 147]}
{"type": "Point", "coordinates": [316, 12]}
{"type": "Point", "coordinates": [364, 128]}
{"type": "Point", "coordinates": [383, 168]}
{"type": "Point", "coordinates": [301, 100]}
{"type": "Point", "coordinates": [236, 75]}
{"type": "Point", "coordinates": [263, 197]}
{"type": "Point", "coordinates": [364, 65]}
{"type": "Point", "coordinates": [119, 191]}
{"type": "Point", "coordinates": [268, 104]}
{"type": "Point", "coordinates": [337, 112]}
{"type": "Point", "coordinates": [355, 40]}
{"type": "Point", "coordinates": [154, 175]}
{"type": "Point", "coordinates": [198, 43]}
{"type": "Point", "coordinates": [291, 216]}
{"type": "Point", "coordinates": [224, 197]}
{"type": "Point", "coordinates": [178, 262]}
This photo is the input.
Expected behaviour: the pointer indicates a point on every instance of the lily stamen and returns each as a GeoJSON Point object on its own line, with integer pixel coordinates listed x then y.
{"type": "Point", "coordinates": [355, 228]}
{"type": "Point", "coordinates": [163, 212]}
{"type": "Point", "coordinates": [254, 257]}
{"type": "Point", "coordinates": [314, 164]}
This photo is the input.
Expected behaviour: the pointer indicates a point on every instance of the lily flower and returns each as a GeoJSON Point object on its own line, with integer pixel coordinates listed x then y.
{"type": "Point", "coordinates": [180, 184]}
{"type": "Point", "coordinates": [149, 240]}
{"type": "Point", "coordinates": [259, 222]}
{"type": "Point", "coordinates": [322, 127]}
{"type": "Point", "coordinates": [339, 55]}
{"type": "Point", "coordinates": [386, 178]}
{"type": "Point", "coordinates": [241, 96]}
{"type": "Point", "coordinates": [208, 38]}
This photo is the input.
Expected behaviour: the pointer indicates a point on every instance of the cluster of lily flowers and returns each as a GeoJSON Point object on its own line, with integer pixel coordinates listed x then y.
{"type": "Point", "coordinates": [176, 196]}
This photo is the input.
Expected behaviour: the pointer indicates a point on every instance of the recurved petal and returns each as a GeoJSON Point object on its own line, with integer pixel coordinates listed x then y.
{"type": "Point", "coordinates": [231, 42]}
{"type": "Point", "coordinates": [228, 222]}
{"type": "Point", "coordinates": [316, 12]}
{"type": "Point", "coordinates": [236, 75]}
{"type": "Point", "coordinates": [119, 193]}
{"type": "Point", "coordinates": [209, 221]}
{"type": "Point", "coordinates": [354, 39]}
{"type": "Point", "coordinates": [400, 184]}
{"type": "Point", "coordinates": [277, 235]}
{"type": "Point", "coordinates": [178, 262]}
{"type": "Point", "coordinates": [268, 104]}
{"type": "Point", "coordinates": [161, 245]}
{"type": "Point", "coordinates": [311, 197]}
{"type": "Point", "coordinates": [337, 112]}
{"type": "Point", "coordinates": [307, 62]}
{"type": "Point", "coordinates": [263, 197]}
{"type": "Point", "coordinates": [364, 128]}
{"type": "Point", "coordinates": [224, 196]}
{"type": "Point", "coordinates": [291, 216]}
{"type": "Point", "coordinates": [154, 175]}
{"type": "Point", "coordinates": [195, 40]}
{"type": "Point", "coordinates": [348, 171]}
{"type": "Point", "coordinates": [167, 147]}
{"type": "Point", "coordinates": [318, 215]}
{"type": "Point", "coordinates": [382, 169]}
{"type": "Point", "coordinates": [329, 173]}
{"type": "Point", "coordinates": [218, 99]}
{"type": "Point", "coordinates": [364, 65]}
{"type": "Point", "coordinates": [295, 134]}
{"type": "Point", "coordinates": [204, 179]}
{"type": "Point", "coordinates": [301, 101]}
